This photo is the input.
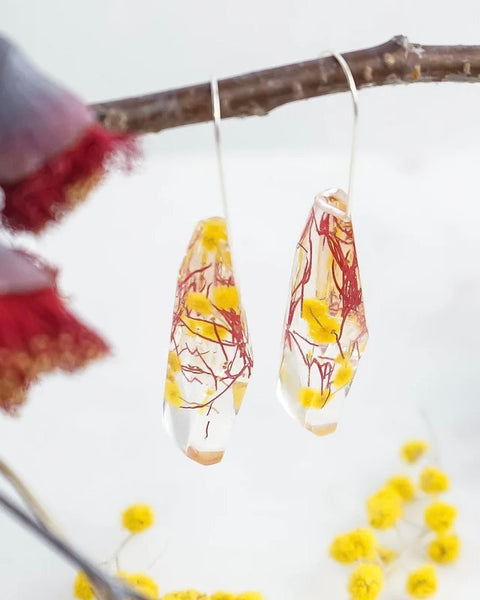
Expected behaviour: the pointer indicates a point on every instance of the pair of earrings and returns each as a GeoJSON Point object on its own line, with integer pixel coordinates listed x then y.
{"type": "Point", "coordinates": [210, 358]}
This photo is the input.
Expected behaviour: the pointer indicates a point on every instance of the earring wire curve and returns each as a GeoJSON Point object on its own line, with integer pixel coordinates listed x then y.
{"type": "Point", "coordinates": [353, 148]}
{"type": "Point", "coordinates": [217, 116]}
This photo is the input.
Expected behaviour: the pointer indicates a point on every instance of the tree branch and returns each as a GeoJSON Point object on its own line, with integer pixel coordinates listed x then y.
{"type": "Point", "coordinates": [396, 61]}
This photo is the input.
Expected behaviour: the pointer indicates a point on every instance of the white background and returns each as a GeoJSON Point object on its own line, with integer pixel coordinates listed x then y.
{"type": "Point", "coordinates": [91, 444]}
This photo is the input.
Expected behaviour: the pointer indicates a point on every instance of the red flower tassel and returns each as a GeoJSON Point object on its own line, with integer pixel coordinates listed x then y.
{"type": "Point", "coordinates": [38, 334]}
{"type": "Point", "coordinates": [52, 153]}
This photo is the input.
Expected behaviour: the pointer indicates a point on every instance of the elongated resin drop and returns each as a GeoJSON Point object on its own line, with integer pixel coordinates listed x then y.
{"type": "Point", "coordinates": [210, 359]}
{"type": "Point", "coordinates": [325, 327]}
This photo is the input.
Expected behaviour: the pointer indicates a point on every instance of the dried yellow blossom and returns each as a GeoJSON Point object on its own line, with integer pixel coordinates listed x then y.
{"type": "Point", "coordinates": [344, 373]}
{"type": "Point", "coordinates": [312, 398]}
{"type": "Point", "coordinates": [433, 480]}
{"type": "Point", "coordinates": [445, 548]}
{"type": "Point", "coordinates": [386, 555]}
{"type": "Point", "coordinates": [384, 508]}
{"type": "Point", "coordinates": [226, 297]}
{"type": "Point", "coordinates": [321, 326]}
{"type": "Point", "coordinates": [403, 485]}
{"type": "Point", "coordinates": [173, 393]}
{"type": "Point", "coordinates": [440, 516]}
{"type": "Point", "coordinates": [206, 329]}
{"type": "Point", "coordinates": [174, 364]}
{"type": "Point", "coordinates": [412, 450]}
{"type": "Point", "coordinates": [353, 545]}
{"type": "Point", "coordinates": [141, 583]}
{"type": "Point", "coordinates": [138, 517]}
{"type": "Point", "coordinates": [422, 583]}
{"type": "Point", "coordinates": [199, 303]}
{"type": "Point", "coordinates": [366, 582]}
{"type": "Point", "coordinates": [214, 231]}
{"type": "Point", "coordinates": [82, 588]}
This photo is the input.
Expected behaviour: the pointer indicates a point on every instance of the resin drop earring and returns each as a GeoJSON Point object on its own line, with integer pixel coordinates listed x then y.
{"type": "Point", "coordinates": [325, 328]}
{"type": "Point", "coordinates": [210, 358]}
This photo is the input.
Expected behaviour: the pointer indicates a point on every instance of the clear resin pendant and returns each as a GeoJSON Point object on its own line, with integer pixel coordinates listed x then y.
{"type": "Point", "coordinates": [325, 328]}
{"type": "Point", "coordinates": [210, 359]}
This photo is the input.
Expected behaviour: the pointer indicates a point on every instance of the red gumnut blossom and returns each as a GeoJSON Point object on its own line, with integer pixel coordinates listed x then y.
{"type": "Point", "coordinates": [52, 152]}
{"type": "Point", "coordinates": [38, 333]}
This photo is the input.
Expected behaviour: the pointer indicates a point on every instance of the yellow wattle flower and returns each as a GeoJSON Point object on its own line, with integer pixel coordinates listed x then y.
{"type": "Point", "coordinates": [221, 595]}
{"type": "Point", "coordinates": [445, 548]}
{"type": "Point", "coordinates": [422, 583]}
{"type": "Point", "coordinates": [322, 327]}
{"type": "Point", "coordinates": [412, 450]}
{"type": "Point", "coordinates": [226, 297]}
{"type": "Point", "coordinates": [199, 303]}
{"type": "Point", "coordinates": [344, 373]}
{"type": "Point", "coordinates": [174, 364]}
{"type": "Point", "coordinates": [384, 508]}
{"type": "Point", "coordinates": [313, 398]}
{"type": "Point", "coordinates": [138, 517]}
{"type": "Point", "coordinates": [403, 485]}
{"type": "Point", "coordinates": [142, 583]}
{"type": "Point", "coordinates": [173, 393]}
{"type": "Point", "coordinates": [366, 582]}
{"type": "Point", "coordinates": [433, 480]}
{"type": "Point", "coordinates": [249, 596]}
{"type": "Point", "coordinates": [206, 329]}
{"type": "Point", "coordinates": [214, 231]}
{"type": "Point", "coordinates": [353, 545]}
{"type": "Point", "coordinates": [440, 516]}
{"type": "Point", "coordinates": [82, 588]}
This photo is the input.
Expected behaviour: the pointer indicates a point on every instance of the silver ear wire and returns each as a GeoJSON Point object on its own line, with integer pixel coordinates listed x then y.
{"type": "Point", "coordinates": [353, 148]}
{"type": "Point", "coordinates": [217, 116]}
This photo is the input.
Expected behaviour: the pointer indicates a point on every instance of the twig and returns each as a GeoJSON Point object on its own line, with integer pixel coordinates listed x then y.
{"type": "Point", "coordinates": [394, 62]}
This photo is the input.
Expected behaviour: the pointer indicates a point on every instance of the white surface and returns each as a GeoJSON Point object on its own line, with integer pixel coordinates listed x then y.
{"type": "Point", "coordinates": [263, 518]}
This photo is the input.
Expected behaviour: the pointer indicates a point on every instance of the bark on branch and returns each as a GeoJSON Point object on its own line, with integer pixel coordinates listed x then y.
{"type": "Point", "coordinates": [394, 62]}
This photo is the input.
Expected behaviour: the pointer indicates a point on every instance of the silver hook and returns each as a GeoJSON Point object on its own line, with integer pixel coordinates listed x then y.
{"type": "Point", "coordinates": [217, 116]}
{"type": "Point", "coordinates": [353, 148]}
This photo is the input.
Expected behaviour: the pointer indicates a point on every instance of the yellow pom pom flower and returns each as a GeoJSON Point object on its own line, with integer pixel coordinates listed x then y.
{"type": "Point", "coordinates": [214, 232]}
{"type": "Point", "coordinates": [433, 480]}
{"type": "Point", "coordinates": [141, 583]}
{"type": "Point", "coordinates": [422, 583]}
{"type": "Point", "coordinates": [342, 549]}
{"type": "Point", "coordinates": [440, 516]}
{"type": "Point", "coordinates": [444, 549]}
{"type": "Point", "coordinates": [412, 450]}
{"type": "Point", "coordinates": [138, 517]}
{"type": "Point", "coordinates": [313, 398]}
{"type": "Point", "coordinates": [82, 588]}
{"type": "Point", "coordinates": [366, 582]}
{"type": "Point", "coordinates": [250, 596]}
{"type": "Point", "coordinates": [173, 393]}
{"type": "Point", "coordinates": [221, 595]}
{"type": "Point", "coordinates": [403, 485]}
{"type": "Point", "coordinates": [354, 545]}
{"type": "Point", "coordinates": [199, 303]}
{"type": "Point", "coordinates": [384, 508]}
{"type": "Point", "coordinates": [226, 297]}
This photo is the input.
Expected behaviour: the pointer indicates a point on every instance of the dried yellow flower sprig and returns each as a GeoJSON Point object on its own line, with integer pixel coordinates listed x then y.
{"type": "Point", "coordinates": [137, 518]}
{"type": "Point", "coordinates": [385, 510]}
